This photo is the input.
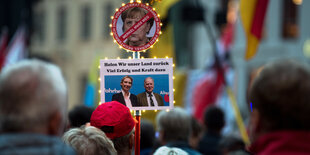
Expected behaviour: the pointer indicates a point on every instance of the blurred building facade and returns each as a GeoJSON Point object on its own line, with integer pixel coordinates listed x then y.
{"type": "Point", "coordinates": [73, 34]}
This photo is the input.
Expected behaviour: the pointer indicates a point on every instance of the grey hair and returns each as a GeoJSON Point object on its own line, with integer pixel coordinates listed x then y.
{"type": "Point", "coordinates": [31, 91]}
{"type": "Point", "coordinates": [89, 141]}
{"type": "Point", "coordinates": [121, 143]}
{"type": "Point", "coordinates": [176, 124]}
{"type": "Point", "coordinates": [149, 78]}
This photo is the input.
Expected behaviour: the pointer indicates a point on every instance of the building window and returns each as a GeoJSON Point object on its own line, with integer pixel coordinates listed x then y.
{"type": "Point", "coordinates": [107, 13]}
{"type": "Point", "coordinates": [62, 23]}
{"type": "Point", "coordinates": [290, 27]}
{"type": "Point", "coordinates": [86, 22]}
{"type": "Point", "coordinates": [39, 26]}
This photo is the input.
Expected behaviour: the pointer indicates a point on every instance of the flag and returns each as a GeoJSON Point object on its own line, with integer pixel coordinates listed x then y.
{"type": "Point", "coordinates": [162, 7]}
{"type": "Point", "coordinates": [206, 92]}
{"type": "Point", "coordinates": [17, 47]}
{"type": "Point", "coordinates": [227, 37]}
{"type": "Point", "coordinates": [165, 45]}
{"type": "Point", "coordinates": [209, 88]}
{"type": "Point", "coordinates": [252, 14]}
{"type": "Point", "coordinates": [3, 45]}
{"type": "Point", "coordinates": [91, 86]}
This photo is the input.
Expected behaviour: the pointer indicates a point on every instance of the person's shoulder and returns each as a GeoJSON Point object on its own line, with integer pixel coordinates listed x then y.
{"type": "Point", "coordinates": [192, 151]}
{"type": "Point", "coordinates": [141, 94]}
{"type": "Point", "coordinates": [133, 95]}
{"type": "Point", "coordinates": [116, 95]}
{"type": "Point", "coordinates": [34, 144]}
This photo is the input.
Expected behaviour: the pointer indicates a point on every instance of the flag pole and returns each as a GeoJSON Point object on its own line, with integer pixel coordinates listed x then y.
{"type": "Point", "coordinates": [220, 68]}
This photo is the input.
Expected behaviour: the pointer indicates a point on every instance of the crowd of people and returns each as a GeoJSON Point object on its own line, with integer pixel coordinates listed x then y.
{"type": "Point", "coordinates": [34, 118]}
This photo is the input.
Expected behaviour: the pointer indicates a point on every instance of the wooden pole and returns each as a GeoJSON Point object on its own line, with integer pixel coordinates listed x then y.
{"type": "Point", "coordinates": [136, 55]}
{"type": "Point", "coordinates": [137, 133]}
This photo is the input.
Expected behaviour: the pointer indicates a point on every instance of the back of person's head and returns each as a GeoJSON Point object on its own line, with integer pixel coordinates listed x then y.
{"type": "Point", "coordinates": [214, 119]}
{"type": "Point", "coordinates": [174, 125]}
{"type": "Point", "coordinates": [147, 134]}
{"type": "Point", "coordinates": [80, 115]}
{"type": "Point", "coordinates": [115, 120]}
{"type": "Point", "coordinates": [33, 98]}
{"type": "Point", "coordinates": [89, 141]}
{"type": "Point", "coordinates": [280, 96]}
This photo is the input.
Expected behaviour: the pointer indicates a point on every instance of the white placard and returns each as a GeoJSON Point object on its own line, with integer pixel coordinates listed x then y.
{"type": "Point", "coordinates": [112, 71]}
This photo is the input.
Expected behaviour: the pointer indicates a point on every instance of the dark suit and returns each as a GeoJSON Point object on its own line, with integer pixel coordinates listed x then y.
{"type": "Point", "coordinates": [120, 98]}
{"type": "Point", "coordinates": [143, 100]}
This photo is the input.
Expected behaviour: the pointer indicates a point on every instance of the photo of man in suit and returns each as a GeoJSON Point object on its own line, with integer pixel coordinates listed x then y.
{"type": "Point", "coordinates": [149, 98]}
{"type": "Point", "coordinates": [125, 97]}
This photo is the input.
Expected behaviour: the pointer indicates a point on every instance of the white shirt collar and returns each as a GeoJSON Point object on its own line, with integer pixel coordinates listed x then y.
{"type": "Point", "coordinates": [127, 100]}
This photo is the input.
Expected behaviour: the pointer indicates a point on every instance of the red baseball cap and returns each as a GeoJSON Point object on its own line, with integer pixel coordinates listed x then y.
{"type": "Point", "coordinates": [113, 118]}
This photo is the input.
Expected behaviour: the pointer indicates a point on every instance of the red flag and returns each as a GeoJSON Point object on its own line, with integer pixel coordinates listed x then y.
{"type": "Point", "coordinates": [3, 45]}
{"type": "Point", "coordinates": [227, 36]}
{"type": "Point", "coordinates": [206, 92]}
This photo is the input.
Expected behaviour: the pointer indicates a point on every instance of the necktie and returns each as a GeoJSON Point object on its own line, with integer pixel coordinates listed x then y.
{"type": "Point", "coordinates": [151, 100]}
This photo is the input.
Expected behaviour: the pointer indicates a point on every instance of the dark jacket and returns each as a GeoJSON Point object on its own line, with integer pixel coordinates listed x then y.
{"type": "Point", "coordinates": [120, 98]}
{"type": "Point", "coordinates": [33, 144]}
{"type": "Point", "coordinates": [209, 144]}
{"type": "Point", "coordinates": [142, 99]}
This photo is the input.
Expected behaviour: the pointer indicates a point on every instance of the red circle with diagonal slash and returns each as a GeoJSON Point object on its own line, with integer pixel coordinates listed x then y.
{"type": "Point", "coordinates": [120, 37]}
